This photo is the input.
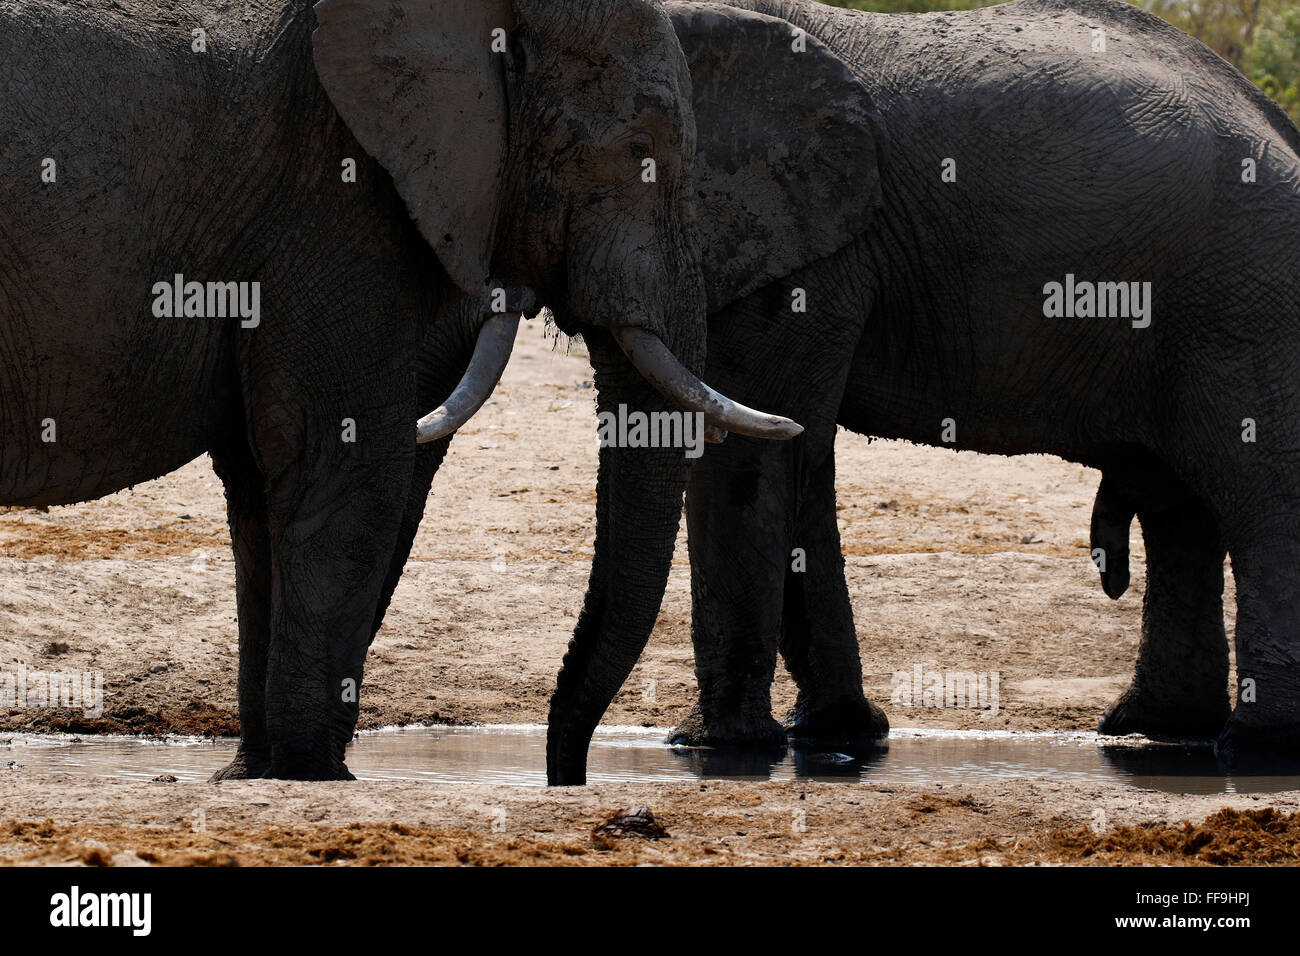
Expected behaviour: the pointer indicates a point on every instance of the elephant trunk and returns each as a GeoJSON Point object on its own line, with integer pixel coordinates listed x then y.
{"type": "Point", "coordinates": [639, 507]}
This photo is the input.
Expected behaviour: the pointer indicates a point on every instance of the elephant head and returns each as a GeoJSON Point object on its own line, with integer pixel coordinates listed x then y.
{"type": "Point", "coordinates": [785, 173]}
{"type": "Point", "coordinates": [547, 143]}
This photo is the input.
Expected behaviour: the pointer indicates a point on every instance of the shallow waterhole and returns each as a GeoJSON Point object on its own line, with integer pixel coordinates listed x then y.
{"type": "Point", "coordinates": [516, 755]}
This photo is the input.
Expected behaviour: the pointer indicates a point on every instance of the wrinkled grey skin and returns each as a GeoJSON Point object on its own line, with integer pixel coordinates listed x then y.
{"type": "Point", "coordinates": [1116, 166]}
{"type": "Point", "coordinates": [225, 166]}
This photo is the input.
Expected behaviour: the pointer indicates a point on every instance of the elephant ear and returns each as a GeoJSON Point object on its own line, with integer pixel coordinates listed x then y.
{"type": "Point", "coordinates": [418, 84]}
{"type": "Point", "coordinates": [786, 168]}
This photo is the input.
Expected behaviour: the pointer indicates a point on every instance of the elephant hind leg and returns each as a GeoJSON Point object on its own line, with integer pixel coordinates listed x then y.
{"type": "Point", "coordinates": [818, 639]}
{"type": "Point", "coordinates": [1180, 686]}
{"type": "Point", "coordinates": [1266, 565]}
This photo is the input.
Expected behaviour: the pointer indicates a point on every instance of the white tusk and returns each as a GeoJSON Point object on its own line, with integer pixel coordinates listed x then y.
{"type": "Point", "coordinates": [496, 339]}
{"type": "Point", "coordinates": [660, 368]}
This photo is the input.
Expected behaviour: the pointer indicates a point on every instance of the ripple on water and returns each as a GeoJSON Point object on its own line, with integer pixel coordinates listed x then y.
{"type": "Point", "coordinates": [516, 755]}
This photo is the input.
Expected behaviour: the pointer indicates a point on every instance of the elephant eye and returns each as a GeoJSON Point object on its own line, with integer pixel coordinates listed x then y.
{"type": "Point", "coordinates": [640, 146]}
{"type": "Point", "coordinates": [624, 159]}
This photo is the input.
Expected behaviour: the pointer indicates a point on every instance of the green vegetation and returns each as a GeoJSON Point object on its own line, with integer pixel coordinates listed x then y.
{"type": "Point", "coordinates": [1259, 37]}
{"type": "Point", "coordinates": [1273, 60]}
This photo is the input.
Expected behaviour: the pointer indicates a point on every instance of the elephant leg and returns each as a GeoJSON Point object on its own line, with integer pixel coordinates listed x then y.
{"type": "Point", "coordinates": [248, 517]}
{"type": "Point", "coordinates": [444, 356]}
{"type": "Point", "coordinates": [818, 639]}
{"type": "Point", "coordinates": [428, 459]}
{"type": "Point", "coordinates": [1180, 685]}
{"type": "Point", "coordinates": [330, 422]}
{"type": "Point", "coordinates": [334, 525]}
{"type": "Point", "coordinates": [739, 514]}
{"type": "Point", "coordinates": [443, 359]}
{"type": "Point", "coordinates": [1266, 566]}
{"type": "Point", "coordinates": [246, 512]}
{"type": "Point", "coordinates": [744, 502]}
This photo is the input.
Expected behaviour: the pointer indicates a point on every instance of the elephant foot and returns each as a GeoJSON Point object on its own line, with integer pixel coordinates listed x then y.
{"type": "Point", "coordinates": [733, 730]}
{"type": "Point", "coordinates": [301, 764]}
{"type": "Point", "coordinates": [1136, 712]}
{"type": "Point", "coordinates": [335, 770]}
{"type": "Point", "coordinates": [247, 765]}
{"type": "Point", "coordinates": [846, 720]}
{"type": "Point", "coordinates": [566, 774]}
{"type": "Point", "coordinates": [1259, 749]}
{"type": "Point", "coordinates": [261, 764]}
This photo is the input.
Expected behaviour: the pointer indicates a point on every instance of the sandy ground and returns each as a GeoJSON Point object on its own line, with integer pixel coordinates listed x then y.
{"type": "Point", "coordinates": [955, 562]}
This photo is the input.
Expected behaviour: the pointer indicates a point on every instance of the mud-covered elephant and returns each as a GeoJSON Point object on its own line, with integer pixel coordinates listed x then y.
{"type": "Point", "coordinates": [236, 231]}
{"type": "Point", "coordinates": [1082, 238]}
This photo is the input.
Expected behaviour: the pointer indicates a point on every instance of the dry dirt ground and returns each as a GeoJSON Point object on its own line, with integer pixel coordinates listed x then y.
{"type": "Point", "coordinates": [955, 561]}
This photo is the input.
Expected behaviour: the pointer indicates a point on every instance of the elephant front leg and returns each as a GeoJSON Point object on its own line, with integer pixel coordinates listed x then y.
{"type": "Point", "coordinates": [444, 356]}
{"type": "Point", "coordinates": [335, 499]}
{"type": "Point", "coordinates": [246, 509]}
{"type": "Point", "coordinates": [818, 639]}
{"type": "Point", "coordinates": [249, 518]}
{"type": "Point", "coordinates": [331, 554]}
{"type": "Point", "coordinates": [738, 514]}
{"type": "Point", "coordinates": [1180, 687]}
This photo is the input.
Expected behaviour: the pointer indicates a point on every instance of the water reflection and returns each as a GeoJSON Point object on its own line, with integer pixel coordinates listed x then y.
{"type": "Point", "coordinates": [1195, 768]}
{"type": "Point", "coordinates": [729, 763]}
{"type": "Point", "coordinates": [516, 755]}
{"type": "Point", "coordinates": [769, 763]}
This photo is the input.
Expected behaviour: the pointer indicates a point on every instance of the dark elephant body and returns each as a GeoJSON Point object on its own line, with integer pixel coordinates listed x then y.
{"type": "Point", "coordinates": [220, 166]}
{"type": "Point", "coordinates": [1122, 165]}
{"type": "Point", "coordinates": [144, 120]}
{"type": "Point", "coordinates": [349, 163]}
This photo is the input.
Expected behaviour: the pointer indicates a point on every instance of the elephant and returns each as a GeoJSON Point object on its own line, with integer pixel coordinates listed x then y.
{"type": "Point", "coordinates": [269, 234]}
{"type": "Point", "coordinates": [1005, 152]}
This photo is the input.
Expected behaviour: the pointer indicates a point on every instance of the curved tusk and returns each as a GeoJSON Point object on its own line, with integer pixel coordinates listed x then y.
{"type": "Point", "coordinates": [660, 368]}
{"type": "Point", "coordinates": [496, 339]}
